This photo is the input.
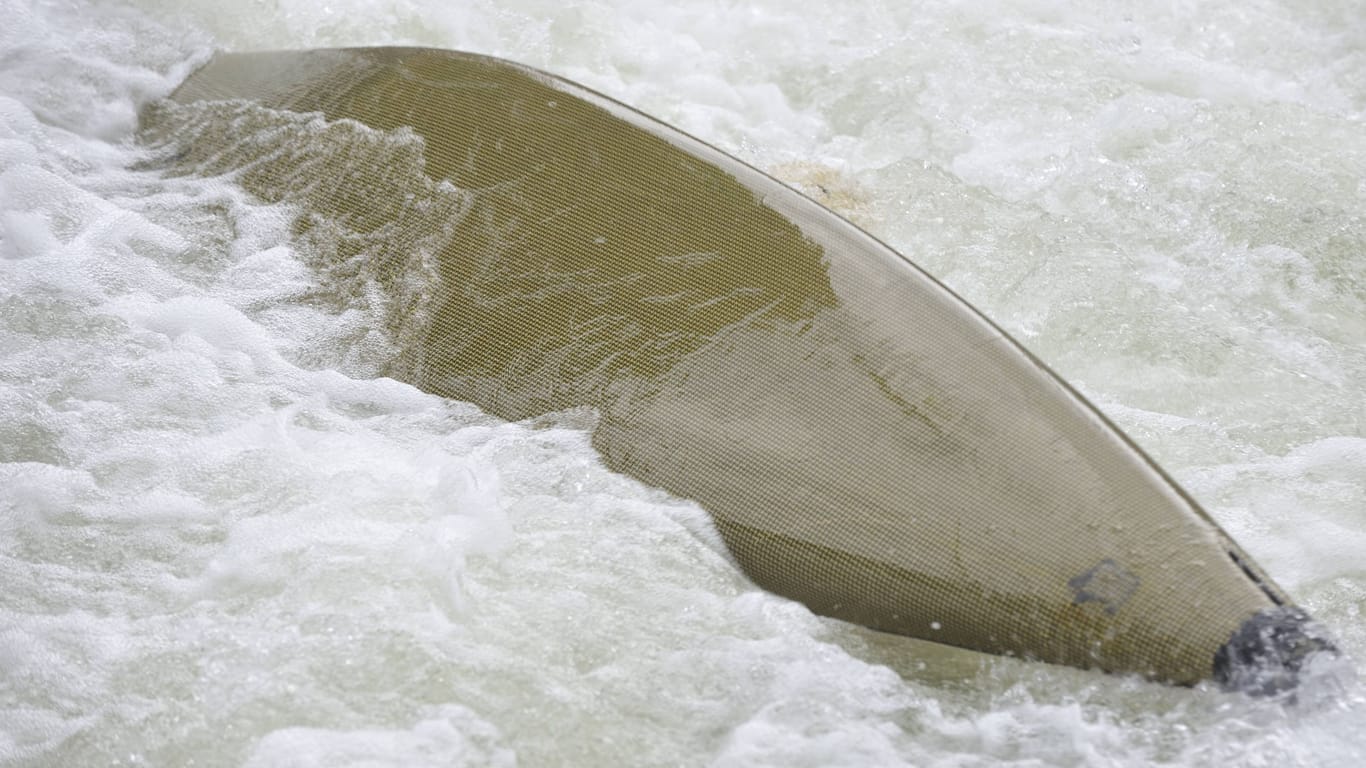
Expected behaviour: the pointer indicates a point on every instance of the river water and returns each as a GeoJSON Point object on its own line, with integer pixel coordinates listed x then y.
{"type": "Point", "coordinates": [224, 541]}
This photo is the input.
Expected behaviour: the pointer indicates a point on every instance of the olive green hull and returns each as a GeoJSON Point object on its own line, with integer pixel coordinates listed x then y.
{"type": "Point", "coordinates": [867, 443]}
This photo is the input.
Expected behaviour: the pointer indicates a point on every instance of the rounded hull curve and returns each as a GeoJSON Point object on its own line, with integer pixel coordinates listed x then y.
{"type": "Point", "coordinates": [867, 442]}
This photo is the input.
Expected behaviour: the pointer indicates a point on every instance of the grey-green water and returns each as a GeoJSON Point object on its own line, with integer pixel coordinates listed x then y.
{"type": "Point", "coordinates": [222, 543]}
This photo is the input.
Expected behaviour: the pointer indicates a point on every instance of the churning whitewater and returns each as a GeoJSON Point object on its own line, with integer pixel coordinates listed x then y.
{"type": "Point", "coordinates": [227, 539]}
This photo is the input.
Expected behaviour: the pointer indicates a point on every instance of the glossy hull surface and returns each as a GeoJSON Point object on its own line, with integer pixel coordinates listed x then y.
{"type": "Point", "coordinates": [866, 442]}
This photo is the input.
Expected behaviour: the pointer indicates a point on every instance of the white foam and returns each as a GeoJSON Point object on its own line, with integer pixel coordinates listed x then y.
{"type": "Point", "coordinates": [451, 735]}
{"type": "Point", "coordinates": [223, 541]}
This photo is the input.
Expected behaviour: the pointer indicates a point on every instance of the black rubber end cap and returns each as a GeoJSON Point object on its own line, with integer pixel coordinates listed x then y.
{"type": "Point", "coordinates": [1266, 655]}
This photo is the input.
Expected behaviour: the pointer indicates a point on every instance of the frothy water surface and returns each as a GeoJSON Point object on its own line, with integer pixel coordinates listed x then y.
{"type": "Point", "coordinates": [225, 541]}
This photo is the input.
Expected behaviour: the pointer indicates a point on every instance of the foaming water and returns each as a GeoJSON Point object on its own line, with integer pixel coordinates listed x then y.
{"type": "Point", "coordinates": [226, 541]}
